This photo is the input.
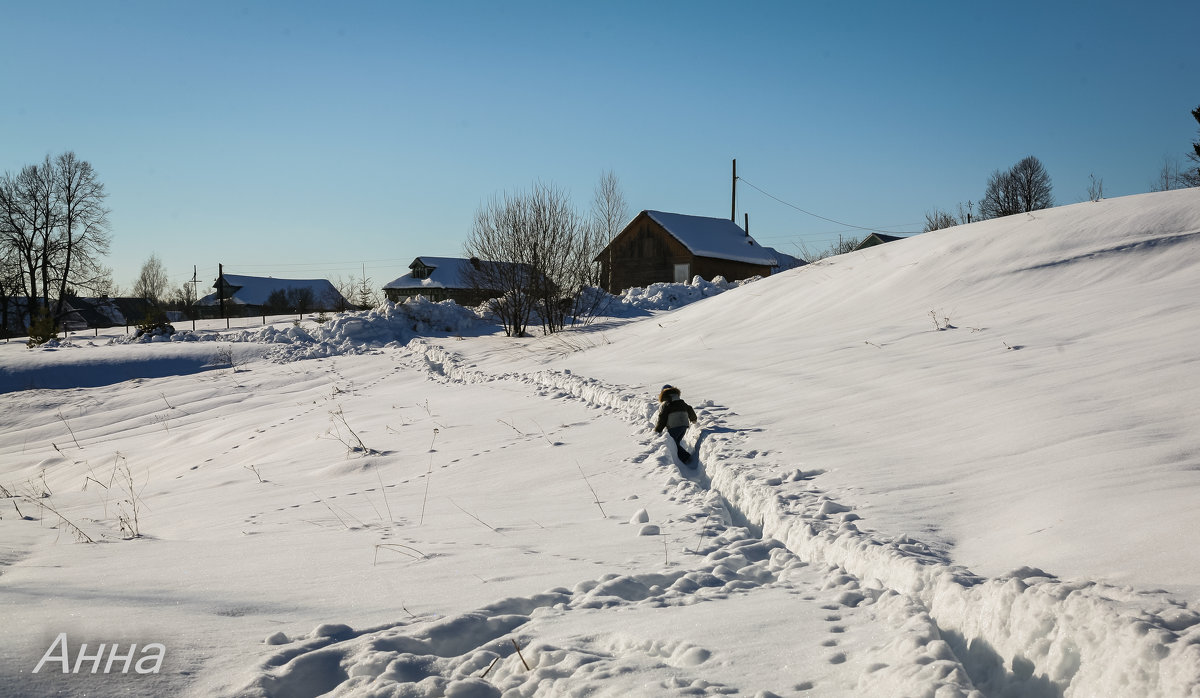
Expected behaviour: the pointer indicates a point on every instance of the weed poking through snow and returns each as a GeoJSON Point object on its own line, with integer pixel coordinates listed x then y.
{"type": "Point", "coordinates": [428, 476]}
{"type": "Point", "coordinates": [128, 508]}
{"type": "Point", "coordinates": [348, 436]}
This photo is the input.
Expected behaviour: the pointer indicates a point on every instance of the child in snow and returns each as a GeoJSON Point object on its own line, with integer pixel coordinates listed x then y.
{"type": "Point", "coordinates": [674, 415]}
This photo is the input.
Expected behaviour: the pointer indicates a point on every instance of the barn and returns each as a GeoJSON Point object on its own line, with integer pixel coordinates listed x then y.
{"type": "Point", "coordinates": [659, 247]}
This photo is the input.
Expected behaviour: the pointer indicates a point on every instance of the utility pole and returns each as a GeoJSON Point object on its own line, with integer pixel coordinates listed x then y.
{"type": "Point", "coordinates": [195, 297]}
{"type": "Point", "coordinates": [221, 290]}
{"type": "Point", "coordinates": [733, 201]}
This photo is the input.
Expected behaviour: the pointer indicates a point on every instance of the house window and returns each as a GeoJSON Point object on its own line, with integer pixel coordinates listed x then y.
{"type": "Point", "coordinates": [681, 273]}
{"type": "Point", "coordinates": [420, 272]}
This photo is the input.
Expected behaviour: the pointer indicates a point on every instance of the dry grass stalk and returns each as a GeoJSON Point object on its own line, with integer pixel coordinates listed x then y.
{"type": "Point", "coordinates": [428, 476]}
{"type": "Point", "coordinates": [493, 528]}
{"type": "Point", "coordinates": [595, 497]}
{"type": "Point", "coordinates": [485, 671]}
{"type": "Point", "coordinates": [32, 497]}
{"type": "Point", "coordinates": [349, 438]}
{"type": "Point", "coordinates": [398, 548]}
{"type": "Point", "coordinates": [129, 508]}
{"type": "Point", "coordinates": [69, 430]}
{"type": "Point", "coordinates": [514, 642]}
{"type": "Point", "coordinates": [383, 491]}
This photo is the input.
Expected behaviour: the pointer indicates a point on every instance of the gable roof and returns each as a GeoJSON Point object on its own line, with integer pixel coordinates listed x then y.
{"type": "Point", "coordinates": [876, 239]}
{"type": "Point", "coordinates": [445, 272]}
{"type": "Point", "coordinates": [451, 273]}
{"type": "Point", "coordinates": [107, 312]}
{"type": "Point", "coordinates": [255, 290]}
{"type": "Point", "coordinates": [719, 238]}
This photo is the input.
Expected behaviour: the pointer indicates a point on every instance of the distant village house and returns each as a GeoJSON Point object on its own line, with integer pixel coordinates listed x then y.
{"type": "Point", "coordinates": [257, 295]}
{"type": "Point", "coordinates": [660, 247]}
{"type": "Point", "coordinates": [95, 313]}
{"type": "Point", "coordinates": [77, 314]}
{"type": "Point", "coordinates": [439, 279]}
{"type": "Point", "coordinates": [876, 239]}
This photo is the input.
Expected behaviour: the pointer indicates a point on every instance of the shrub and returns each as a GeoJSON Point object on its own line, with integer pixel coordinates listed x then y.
{"type": "Point", "coordinates": [42, 329]}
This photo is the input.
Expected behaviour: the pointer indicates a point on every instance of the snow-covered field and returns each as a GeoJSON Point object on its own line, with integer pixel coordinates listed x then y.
{"type": "Point", "coordinates": [966, 463]}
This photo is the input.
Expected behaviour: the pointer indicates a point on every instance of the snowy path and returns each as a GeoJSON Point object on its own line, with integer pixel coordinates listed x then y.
{"type": "Point", "coordinates": [1026, 633]}
{"type": "Point", "coordinates": [871, 639]}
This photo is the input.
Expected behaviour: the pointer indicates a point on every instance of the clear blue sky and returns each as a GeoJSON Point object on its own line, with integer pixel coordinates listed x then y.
{"type": "Point", "coordinates": [303, 139]}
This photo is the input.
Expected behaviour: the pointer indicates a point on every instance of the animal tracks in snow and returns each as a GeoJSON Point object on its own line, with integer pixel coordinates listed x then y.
{"type": "Point", "coordinates": [531, 646]}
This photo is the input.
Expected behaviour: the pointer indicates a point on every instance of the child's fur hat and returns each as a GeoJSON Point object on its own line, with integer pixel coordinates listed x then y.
{"type": "Point", "coordinates": [665, 395]}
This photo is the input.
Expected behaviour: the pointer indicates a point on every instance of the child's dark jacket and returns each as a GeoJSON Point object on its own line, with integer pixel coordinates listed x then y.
{"type": "Point", "coordinates": [675, 413]}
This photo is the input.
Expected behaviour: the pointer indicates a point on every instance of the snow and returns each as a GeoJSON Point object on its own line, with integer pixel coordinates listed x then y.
{"type": "Point", "coordinates": [714, 237]}
{"type": "Point", "coordinates": [446, 272]}
{"type": "Point", "coordinates": [964, 463]}
{"type": "Point", "coordinates": [257, 290]}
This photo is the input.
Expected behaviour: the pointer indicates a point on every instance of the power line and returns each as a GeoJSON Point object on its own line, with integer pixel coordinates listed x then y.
{"type": "Point", "coordinates": [353, 263]}
{"type": "Point", "coordinates": [810, 213]}
{"type": "Point", "coordinates": [893, 228]}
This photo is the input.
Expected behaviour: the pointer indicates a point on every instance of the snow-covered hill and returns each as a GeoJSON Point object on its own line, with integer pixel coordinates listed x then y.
{"type": "Point", "coordinates": [965, 463]}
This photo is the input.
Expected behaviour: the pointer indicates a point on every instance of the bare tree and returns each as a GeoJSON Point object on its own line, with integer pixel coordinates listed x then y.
{"type": "Point", "coordinates": [54, 228]}
{"type": "Point", "coordinates": [83, 226]}
{"type": "Point", "coordinates": [10, 289]}
{"type": "Point", "coordinates": [537, 251]}
{"type": "Point", "coordinates": [842, 246]}
{"type": "Point", "coordinates": [183, 299]}
{"type": "Point", "coordinates": [502, 252]}
{"type": "Point", "coordinates": [999, 198]}
{"type": "Point", "coordinates": [1026, 187]}
{"type": "Point", "coordinates": [1033, 185]}
{"type": "Point", "coordinates": [938, 219]}
{"type": "Point", "coordinates": [610, 213]}
{"type": "Point", "coordinates": [1170, 175]}
{"type": "Point", "coordinates": [152, 282]}
{"type": "Point", "coordinates": [26, 204]}
{"type": "Point", "coordinates": [1095, 188]}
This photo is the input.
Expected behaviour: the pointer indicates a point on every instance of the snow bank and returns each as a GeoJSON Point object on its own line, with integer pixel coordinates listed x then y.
{"type": "Point", "coordinates": [665, 296]}
{"type": "Point", "coordinates": [390, 324]}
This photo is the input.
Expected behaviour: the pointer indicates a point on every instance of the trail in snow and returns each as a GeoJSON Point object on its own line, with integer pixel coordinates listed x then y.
{"type": "Point", "coordinates": [875, 639]}
{"type": "Point", "coordinates": [1027, 632]}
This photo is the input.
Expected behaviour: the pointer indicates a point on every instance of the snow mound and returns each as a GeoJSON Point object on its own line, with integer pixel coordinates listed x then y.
{"type": "Point", "coordinates": [664, 296]}
{"type": "Point", "coordinates": [391, 324]}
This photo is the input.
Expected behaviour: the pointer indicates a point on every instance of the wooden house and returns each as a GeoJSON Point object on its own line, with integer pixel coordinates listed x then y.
{"type": "Point", "coordinates": [443, 278]}
{"type": "Point", "coordinates": [660, 247]}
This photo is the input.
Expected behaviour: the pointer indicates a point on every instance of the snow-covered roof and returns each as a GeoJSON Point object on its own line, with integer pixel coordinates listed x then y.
{"type": "Point", "coordinates": [255, 290]}
{"type": "Point", "coordinates": [719, 238]}
{"type": "Point", "coordinates": [105, 312]}
{"type": "Point", "coordinates": [445, 272]}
